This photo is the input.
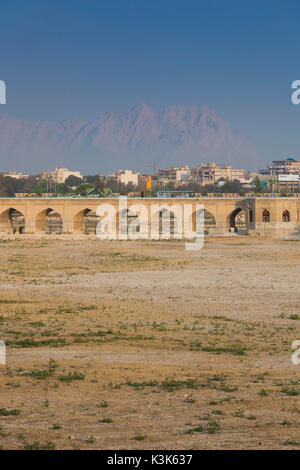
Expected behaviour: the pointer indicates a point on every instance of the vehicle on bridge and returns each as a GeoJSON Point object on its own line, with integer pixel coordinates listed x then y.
{"type": "Point", "coordinates": [172, 193]}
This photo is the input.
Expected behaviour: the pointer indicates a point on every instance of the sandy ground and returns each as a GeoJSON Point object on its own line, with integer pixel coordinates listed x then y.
{"type": "Point", "coordinates": [144, 345]}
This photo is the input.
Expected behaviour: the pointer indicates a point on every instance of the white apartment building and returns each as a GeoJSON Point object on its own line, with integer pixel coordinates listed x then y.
{"type": "Point", "coordinates": [128, 177]}
{"type": "Point", "coordinates": [61, 174]}
{"type": "Point", "coordinates": [175, 175]}
{"type": "Point", "coordinates": [15, 175]}
{"type": "Point", "coordinates": [210, 173]}
{"type": "Point", "coordinates": [290, 182]}
{"type": "Point", "coordinates": [183, 174]}
{"type": "Point", "coordinates": [290, 166]}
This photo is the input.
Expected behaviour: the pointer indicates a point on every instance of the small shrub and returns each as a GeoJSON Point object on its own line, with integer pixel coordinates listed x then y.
{"type": "Point", "coordinates": [71, 376]}
{"type": "Point", "coordinates": [5, 412]}
{"type": "Point", "coordinates": [104, 404]}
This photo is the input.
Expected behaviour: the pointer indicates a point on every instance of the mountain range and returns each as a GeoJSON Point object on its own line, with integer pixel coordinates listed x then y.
{"type": "Point", "coordinates": [133, 139]}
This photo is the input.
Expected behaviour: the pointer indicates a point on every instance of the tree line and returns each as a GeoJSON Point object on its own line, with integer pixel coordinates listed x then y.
{"type": "Point", "coordinates": [76, 186]}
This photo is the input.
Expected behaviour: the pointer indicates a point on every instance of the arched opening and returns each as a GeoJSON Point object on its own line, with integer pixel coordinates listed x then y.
{"type": "Point", "coordinates": [237, 219]}
{"type": "Point", "coordinates": [49, 221]}
{"type": "Point", "coordinates": [266, 215]}
{"type": "Point", "coordinates": [86, 221]}
{"type": "Point", "coordinates": [168, 224]}
{"type": "Point", "coordinates": [12, 221]}
{"type": "Point", "coordinates": [78, 224]}
{"type": "Point", "coordinates": [286, 216]}
{"type": "Point", "coordinates": [90, 221]}
{"type": "Point", "coordinates": [209, 221]}
{"type": "Point", "coordinates": [250, 216]}
{"type": "Point", "coordinates": [129, 222]}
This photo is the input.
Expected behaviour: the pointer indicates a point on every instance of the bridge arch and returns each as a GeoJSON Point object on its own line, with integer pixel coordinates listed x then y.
{"type": "Point", "coordinates": [209, 221]}
{"type": "Point", "coordinates": [80, 221]}
{"type": "Point", "coordinates": [49, 221]}
{"type": "Point", "coordinates": [130, 222]}
{"type": "Point", "coordinates": [166, 221]}
{"type": "Point", "coordinates": [12, 220]}
{"type": "Point", "coordinates": [90, 221]}
{"type": "Point", "coordinates": [237, 219]}
{"type": "Point", "coordinates": [170, 221]}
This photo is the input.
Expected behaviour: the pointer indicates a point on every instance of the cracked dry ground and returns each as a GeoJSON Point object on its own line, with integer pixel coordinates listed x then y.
{"type": "Point", "coordinates": [144, 345]}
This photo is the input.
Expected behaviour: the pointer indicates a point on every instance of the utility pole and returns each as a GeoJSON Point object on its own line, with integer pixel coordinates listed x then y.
{"type": "Point", "coordinates": [273, 186]}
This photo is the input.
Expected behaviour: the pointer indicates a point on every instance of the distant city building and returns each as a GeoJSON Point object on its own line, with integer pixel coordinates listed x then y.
{"type": "Point", "coordinates": [174, 175]}
{"type": "Point", "coordinates": [261, 175]}
{"type": "Point", "coordinates": [125, 177]}
{"type": "Point", "coordinates": [290, 182]}
{"type": "Point", "coordinates": [15, 175]}
{"type": "Point", "coordinates": [290, 166]}
{"type": "Point", "coordinates": [210, 173]}
{"type": "Point", "coordinates": [143, 181]}
{"type": "Point", "coordinates": [128, 177]}
{"type": "Point", "coordinates": [61, 174]}
{"type": "Point", "coordinates": [285, 174]}
{"type": "Point", "coordinates": [111, 177]}
{"type": "Point", "coordinates": [183, 174]}
{"type": "Point", "coordinates": [289, 178]}
{"type": "Point", "coordinates": [264, 172]}
{"type": "Point", "coordinates": [246, 182]}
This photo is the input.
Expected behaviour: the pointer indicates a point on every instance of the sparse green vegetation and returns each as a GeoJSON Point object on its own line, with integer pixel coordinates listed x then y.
{"type": "Point", "coordinates": [149, 342]}
{"type": "Point", "coordinates": [71, 376]}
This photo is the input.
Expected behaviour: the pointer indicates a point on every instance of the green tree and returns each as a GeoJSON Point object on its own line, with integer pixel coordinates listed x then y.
{"type": "Point", "coordinates": [41, 187]}
{"type": "Point", "coordinates": [83, 189]}
{"type": "Point", "coordinates": [73, 181]}
{"type": "Point", "coordinates": [231, 187]}
{"type": "Point", "coordinates": [6, 187]}
{"type": "Point", "coordinates": [62, 188]}
{"type": "Point", "coordinates": [258, 186]}
{"type": "Point", "coordinates": [106, 192]}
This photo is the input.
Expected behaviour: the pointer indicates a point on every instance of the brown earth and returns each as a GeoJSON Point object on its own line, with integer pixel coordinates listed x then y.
{"type": "Point", "coordinates": [144, 345]}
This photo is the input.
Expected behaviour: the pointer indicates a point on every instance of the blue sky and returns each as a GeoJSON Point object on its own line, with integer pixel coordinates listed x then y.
{"type": "Point", "coordinates": [79, 58]}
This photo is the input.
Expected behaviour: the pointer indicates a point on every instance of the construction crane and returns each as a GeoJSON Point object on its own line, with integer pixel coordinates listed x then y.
{"type": "Point", "coordinates": [154, 166]}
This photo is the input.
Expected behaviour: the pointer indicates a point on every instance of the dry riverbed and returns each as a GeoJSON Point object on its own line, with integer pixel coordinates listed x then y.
{"type": "Point", "coordinates": [144, 345]}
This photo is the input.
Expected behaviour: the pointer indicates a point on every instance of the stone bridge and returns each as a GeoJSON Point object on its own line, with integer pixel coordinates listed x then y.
{"type": "Point", "coordinates": [254, 216]}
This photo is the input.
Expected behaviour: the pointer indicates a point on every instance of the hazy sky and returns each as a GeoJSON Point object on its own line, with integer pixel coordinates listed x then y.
{"type": "Point", "coordinates": [80, 58]}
